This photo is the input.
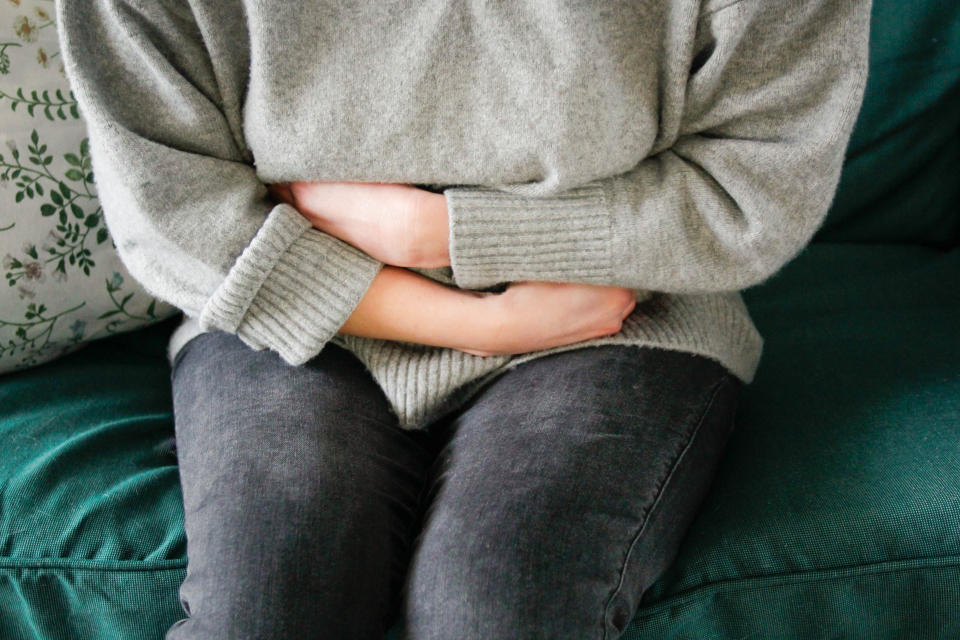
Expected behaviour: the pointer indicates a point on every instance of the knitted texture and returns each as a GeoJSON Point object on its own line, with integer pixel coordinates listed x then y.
{"type": "Point", "coordinates": [686, 150]}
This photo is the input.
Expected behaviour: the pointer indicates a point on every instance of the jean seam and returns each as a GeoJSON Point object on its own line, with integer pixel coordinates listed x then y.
{"type": "Point", "coordinates": [423, 505]}
{"type": "Point", "coordinates": [657, 499]}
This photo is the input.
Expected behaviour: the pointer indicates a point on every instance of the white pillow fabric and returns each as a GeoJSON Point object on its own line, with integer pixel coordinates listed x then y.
{"type": "Point", "coordinates": [63, 282]}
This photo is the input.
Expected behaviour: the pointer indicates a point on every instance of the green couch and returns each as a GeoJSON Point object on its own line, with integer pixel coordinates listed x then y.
{"type": "Point", "coordinates": [836, 513]}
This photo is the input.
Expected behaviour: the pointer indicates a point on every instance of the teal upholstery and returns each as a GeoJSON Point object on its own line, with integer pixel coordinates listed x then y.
{"type": "Point", "coordinates": [899, 183]}
{"type": "Point", "coordinates": [91, 515]}
{"type": "Point", "coordinates": [835, 513]}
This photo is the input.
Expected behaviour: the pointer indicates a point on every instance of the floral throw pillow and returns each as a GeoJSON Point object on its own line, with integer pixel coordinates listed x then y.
{"type": "Point", "coordinates": [63, 283]}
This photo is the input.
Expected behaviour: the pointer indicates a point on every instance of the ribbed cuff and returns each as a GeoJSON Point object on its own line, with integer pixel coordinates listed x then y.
{"type": "Point", "coordinates": [291, 289]}
{"type": "Point", "coordinates": [496, 236]}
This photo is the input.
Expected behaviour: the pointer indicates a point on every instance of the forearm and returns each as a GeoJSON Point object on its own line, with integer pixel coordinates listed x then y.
{"type": "Point", "coordinates": [403, 305]}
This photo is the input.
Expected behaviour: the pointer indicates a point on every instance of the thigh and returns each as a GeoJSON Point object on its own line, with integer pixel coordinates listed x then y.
{"type": "Point", "coordinates": [562, 490]}
{"type": "Point", "coordinates": [299, 491]}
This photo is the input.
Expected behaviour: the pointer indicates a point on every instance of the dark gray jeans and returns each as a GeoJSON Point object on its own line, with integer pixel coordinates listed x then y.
{"type": "Point", "coordinates": [543, 508]}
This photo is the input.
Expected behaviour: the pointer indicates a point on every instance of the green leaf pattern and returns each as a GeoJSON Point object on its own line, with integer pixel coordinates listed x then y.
{"type": "Point", "coordinates": [63, 282]}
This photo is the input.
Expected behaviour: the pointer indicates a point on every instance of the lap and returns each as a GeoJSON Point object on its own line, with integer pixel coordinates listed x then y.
{"type": "Point", "coordinates": [233, 402]}
{"type": "Point", "coordinates": [562, 487]}
{"type": "Point", "coordinates": [299, 492]}
{"type": "Point", "coordinates": [216, 377]}
{"type": "Point", "coordinates": [608, 409]}
{"type": "Point", "coordinates": [565, 485]}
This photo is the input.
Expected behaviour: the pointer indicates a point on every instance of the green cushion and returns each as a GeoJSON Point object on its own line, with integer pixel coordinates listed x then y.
{"type": "Point", "coordinates": [836, 512]}
{"type": "Point", "coordinates": [91, 515]}
{"type": "Point", "coordinates": [899, 182]}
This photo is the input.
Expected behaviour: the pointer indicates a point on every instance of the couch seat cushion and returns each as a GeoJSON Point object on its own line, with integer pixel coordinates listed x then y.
{"type": "Point", "coordinates": [836, 513]}
{"type": "Point", "coordinates": [91, 519]}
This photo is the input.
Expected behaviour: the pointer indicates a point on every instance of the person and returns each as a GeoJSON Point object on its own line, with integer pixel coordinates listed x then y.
{"type": "Point", "coordinates": [463, 338]}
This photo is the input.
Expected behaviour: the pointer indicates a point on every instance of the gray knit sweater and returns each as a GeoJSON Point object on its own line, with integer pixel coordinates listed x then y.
{"type": "Point", "coordinates": [685, 149]}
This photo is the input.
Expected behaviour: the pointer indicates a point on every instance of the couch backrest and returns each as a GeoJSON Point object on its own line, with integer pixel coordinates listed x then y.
{"type": "Point", "coordinates": [901, 178]}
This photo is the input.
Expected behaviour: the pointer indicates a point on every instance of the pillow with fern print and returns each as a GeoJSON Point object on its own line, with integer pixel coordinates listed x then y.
{"type": "Point", "coordinates": [63, 282]}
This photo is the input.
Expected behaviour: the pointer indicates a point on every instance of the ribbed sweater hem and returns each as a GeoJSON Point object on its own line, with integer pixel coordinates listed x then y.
{"type": "Point", "coordinates": [425, 383]}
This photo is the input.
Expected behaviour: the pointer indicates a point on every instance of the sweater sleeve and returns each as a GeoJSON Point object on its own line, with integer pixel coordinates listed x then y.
{"type": "Point", "coordinates": [190, 219]}
{"type": "Point", "coordinates": [769, 104]}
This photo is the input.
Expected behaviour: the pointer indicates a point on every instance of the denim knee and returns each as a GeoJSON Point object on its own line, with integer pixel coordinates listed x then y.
{"type": "Point", "coordinates": [563, 492]}
{"type": "Point", "coordinates": [298, 503]}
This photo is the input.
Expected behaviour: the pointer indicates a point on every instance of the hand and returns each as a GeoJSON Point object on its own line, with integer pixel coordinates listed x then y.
{"type": "Point", "coordinates": [397, 224]}
{"type": "Point", "coordinates": [532, 315]}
